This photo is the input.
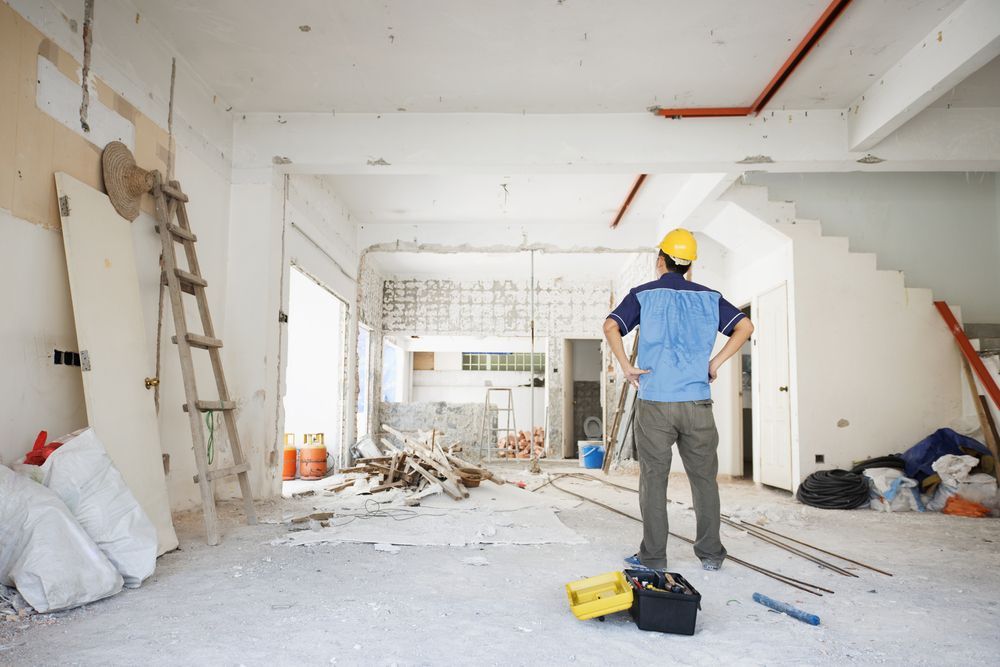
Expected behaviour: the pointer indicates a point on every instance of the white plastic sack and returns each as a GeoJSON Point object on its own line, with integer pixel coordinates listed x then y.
{"type": "Point", "coordinates": [979, 488]}
{"type": "Point", "coordinates": [44, 552]}
{"type": "Point", "coordinates": [891, 491]}
{"type": "Point", "coordinates": [954, 469]}
{"type": "Point", "coordinates": [82, 474]}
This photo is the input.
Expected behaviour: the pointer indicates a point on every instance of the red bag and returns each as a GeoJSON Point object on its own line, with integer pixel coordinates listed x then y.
{"type": "Point", "coordinates": [41, 451]}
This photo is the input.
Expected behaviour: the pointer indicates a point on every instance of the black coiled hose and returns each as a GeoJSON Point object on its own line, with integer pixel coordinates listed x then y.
{"type": "Point", "coordinates": [891, 461]}
{"type": "Point", "coordinates": [834, 490]}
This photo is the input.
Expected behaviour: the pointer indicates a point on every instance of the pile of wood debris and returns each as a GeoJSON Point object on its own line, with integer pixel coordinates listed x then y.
{"type": "Point", "coordinates": [416, 463]}
{"type": "Point", "coordinates": [509, 448]}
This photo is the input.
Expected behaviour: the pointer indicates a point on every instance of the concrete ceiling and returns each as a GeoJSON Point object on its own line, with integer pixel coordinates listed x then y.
{"type": "Point", "coordinates": [499, 266]}
{"type": "Point", "coordinates": [534, 56]}
{"type": "Point", "coordinates": [586, 199]}
{"type": "Point", "coordinates": [980, 89]}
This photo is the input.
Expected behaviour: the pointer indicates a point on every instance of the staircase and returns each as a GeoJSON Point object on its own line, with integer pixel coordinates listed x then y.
{"type": "Point", "coordinates": [984, 337]}
{"type": "Point", "coordinates": [875, 368]}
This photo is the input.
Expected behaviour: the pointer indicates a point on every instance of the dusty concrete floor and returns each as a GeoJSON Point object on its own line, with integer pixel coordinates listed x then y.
{"type": "Point", "coordinates": [247, 602]}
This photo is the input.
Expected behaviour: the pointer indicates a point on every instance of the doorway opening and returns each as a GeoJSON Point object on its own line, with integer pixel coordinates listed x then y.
{"type": "Point", "coordinates": [363, 413]}
{"type": "Point", "coordinates": [745, 391]}
{"type": "Point", "coordinates": [583, 419]}
{"type": "Point", "coordinates": [314, 371]}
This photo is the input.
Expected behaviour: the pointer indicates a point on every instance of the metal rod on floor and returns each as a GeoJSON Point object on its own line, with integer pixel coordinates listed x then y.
{"type": "Point", "coordinates": [796, 583]}
{"type": "Point", "coordinates": [749, 528]}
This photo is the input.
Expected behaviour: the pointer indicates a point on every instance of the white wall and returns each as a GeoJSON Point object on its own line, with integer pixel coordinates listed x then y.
{"type": "Point", "coordinates": [940, 229]}
{"type": "Point", "coordinates": [134, 60]}
{"type": "Point", "coordinates": [279, 221]}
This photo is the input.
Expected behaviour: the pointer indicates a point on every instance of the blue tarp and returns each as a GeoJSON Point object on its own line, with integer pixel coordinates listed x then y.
{"type": "Point", "coordinates": [919, 457]}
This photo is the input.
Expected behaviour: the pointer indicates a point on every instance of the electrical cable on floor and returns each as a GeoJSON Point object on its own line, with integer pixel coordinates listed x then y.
{"type": "Point", "coordinates": [834, 490]}
{"type": "Point", "coordinates": [796, 583]}
{"type": "Point", "coordinates": [750, 528]}
{"type": "Point", "coordinates": [374, 510]}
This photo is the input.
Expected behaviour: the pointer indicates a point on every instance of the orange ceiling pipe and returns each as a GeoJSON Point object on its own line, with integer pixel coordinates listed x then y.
{"type": "Point", "coordinates": [628, 200]}
{"type": "Point", "coordinates": [819, 28]}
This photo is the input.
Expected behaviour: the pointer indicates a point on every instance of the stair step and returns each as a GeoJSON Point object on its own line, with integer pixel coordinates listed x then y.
{"type": "Point", "coordinates": [804, 224]}
{"type": "Point", "coordinates": [217, 406]}
{"type": "Point", "coordinates": [225, 472]}
{"type": "Point", "coordinates": [204, 342]}
{"type": "Point", "coordinates": [919, 296]}
{"type": "Point", "coordinates": [754, 199]}
{"type": "Point", "coordinates": [836, 243]}
{"type": "Point", "coordinates": [862, 261]}
{"type": "Point", "coordinates": [895, 279]}
{"type": "Point", "coordinates": [974, 330]}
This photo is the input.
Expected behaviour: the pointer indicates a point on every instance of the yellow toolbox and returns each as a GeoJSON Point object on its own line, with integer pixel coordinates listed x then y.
{"type": "Point", "coordinates": [599, 596]}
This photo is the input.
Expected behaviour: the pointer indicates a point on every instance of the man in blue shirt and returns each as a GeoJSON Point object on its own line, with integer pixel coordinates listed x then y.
{"type": "Point", "coordinates": [678, 322]}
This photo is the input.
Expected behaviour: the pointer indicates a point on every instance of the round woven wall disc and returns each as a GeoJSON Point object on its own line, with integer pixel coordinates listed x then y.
{"type": "Point", "coordinates": [124, 180]}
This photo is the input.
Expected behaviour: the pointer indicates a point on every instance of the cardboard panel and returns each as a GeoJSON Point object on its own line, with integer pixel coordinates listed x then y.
{"type": "Point", "coordinates": [106, 306]}
{"type": "Point", "coordinates": [34, 189]}
{"type": "Point", "coordinates": [9, 57]}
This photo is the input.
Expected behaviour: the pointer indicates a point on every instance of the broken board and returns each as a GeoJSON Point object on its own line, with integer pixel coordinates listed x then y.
{"type": "Point", "coordinates": [112, 342]}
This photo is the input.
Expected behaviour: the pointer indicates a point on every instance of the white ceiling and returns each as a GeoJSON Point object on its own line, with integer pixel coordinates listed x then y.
{"type": "Point", "coordinates": [522, 199]}
{"type": "Point", "coordinates": [499, 266]}
{"type": "Point", "coordinates": [980, 89]}
{"type": "Point", "coordinates": [535, 56]}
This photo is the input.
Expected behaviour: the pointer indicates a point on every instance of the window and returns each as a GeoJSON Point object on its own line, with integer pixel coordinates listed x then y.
{"type": "Point", "coordinates": [393, 369]}
{"type": "Point", "coordinates": [502, 361]}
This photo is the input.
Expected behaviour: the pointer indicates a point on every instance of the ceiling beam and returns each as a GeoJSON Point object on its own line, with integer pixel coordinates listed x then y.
{"type": "Point", "coordinates": [480, 143]}
{"type": "Point", "coordinates": [962, 43]}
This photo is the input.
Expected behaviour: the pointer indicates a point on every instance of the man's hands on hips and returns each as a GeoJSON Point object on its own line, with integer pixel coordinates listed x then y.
{"type": "Point", "coordinates": [632, 374]}
{"type": "Point", "coordinates": [713, 370]}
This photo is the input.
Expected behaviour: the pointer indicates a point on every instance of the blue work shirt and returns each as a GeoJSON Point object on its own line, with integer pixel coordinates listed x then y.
{"type": "Point", "coordinates": [678, 321]}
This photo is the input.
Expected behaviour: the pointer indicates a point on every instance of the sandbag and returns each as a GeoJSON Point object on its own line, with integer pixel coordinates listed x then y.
{"type": "Point", "coordinates": [44, 552]}
{"type": "Point", "coordinates": [891, 491]}
{"type": "Point", "coordinates": [82, 474]}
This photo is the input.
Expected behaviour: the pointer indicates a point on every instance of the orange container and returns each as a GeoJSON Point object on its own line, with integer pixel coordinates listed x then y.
{"type": "Point", "coordinates": [312, 462]}
{"type": "Point", "coordinates": [291, 458]}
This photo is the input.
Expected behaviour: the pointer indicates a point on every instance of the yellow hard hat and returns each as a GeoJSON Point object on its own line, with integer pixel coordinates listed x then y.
{"type": "Point", "coordinates": [680, 243]}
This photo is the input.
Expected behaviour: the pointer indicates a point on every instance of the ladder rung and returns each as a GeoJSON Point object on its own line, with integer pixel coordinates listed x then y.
{"type": "Point", "coordinates": [173, 192]}
{"type": "Point", "coordinates": [181, 233]}
{"type": "Point", "coordinates": [225, 472]}
{"type": "Point", "coordinates": [187, 288]}
{"type": "Point", "coordinates": [190, 278]}
{"type": "Point", "coordinates": [204, 342]}
{"type": "Point", "coordinates": [215, 406]}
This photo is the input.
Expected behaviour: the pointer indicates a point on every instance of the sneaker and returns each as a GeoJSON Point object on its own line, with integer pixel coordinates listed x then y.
{"type": "Point", "coordinates": [634, 563]}
{"type": "Point", "coordinates": [711, 564]}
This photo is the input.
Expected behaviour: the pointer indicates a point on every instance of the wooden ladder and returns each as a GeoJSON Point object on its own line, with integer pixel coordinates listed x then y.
{"type": "Point", "coordinates": [170, 205]}
{"type": "Point", "coordinates": [612, 442]}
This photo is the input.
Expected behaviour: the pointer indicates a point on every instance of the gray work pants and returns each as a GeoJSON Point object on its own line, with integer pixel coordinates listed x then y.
{"type": "Point", "coordinates": [691, 425]}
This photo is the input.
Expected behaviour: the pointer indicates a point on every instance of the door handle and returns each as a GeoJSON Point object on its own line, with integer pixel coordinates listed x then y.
{"type": "Point", "coordinates": [785, 388]}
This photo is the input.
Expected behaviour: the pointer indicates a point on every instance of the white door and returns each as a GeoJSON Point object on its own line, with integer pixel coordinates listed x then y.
{"type": "Point", "coordinates": [109, 329]}
{"type": "Point", "coordinates": [771, 372]}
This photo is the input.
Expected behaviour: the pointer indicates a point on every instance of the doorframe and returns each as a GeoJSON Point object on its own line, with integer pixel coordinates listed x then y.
{"type": "Point", "coordinates": [345, 321]}
{"type": "Point", "coordinates": [739, 395]}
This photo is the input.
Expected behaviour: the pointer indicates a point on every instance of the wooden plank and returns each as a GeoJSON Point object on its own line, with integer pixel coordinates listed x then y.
{"type": "Point", "coordinates": [433, 480]}
{"type": "Point", "coordinates": [190, 278]}
{"type": "Point", "coordinates": [609, 450]}
{"type": "Point", "coordinates": [983, 412]}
